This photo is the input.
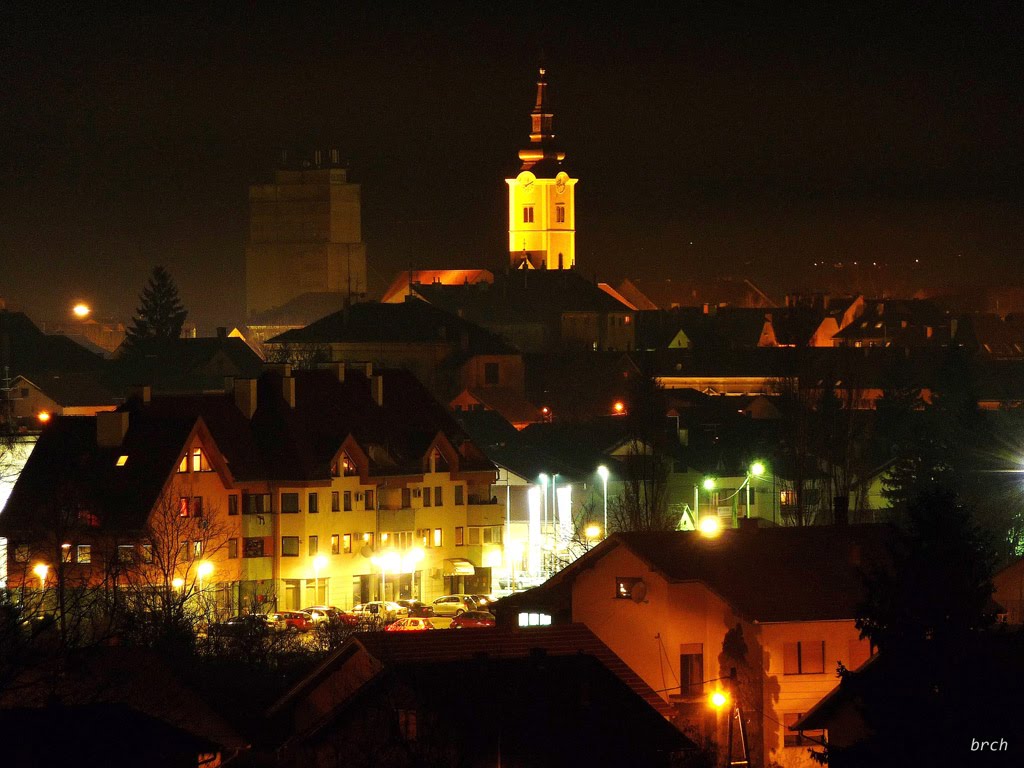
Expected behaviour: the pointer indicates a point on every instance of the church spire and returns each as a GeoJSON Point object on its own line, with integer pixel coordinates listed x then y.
{"type": "Point", "coordinates": [541, 136]}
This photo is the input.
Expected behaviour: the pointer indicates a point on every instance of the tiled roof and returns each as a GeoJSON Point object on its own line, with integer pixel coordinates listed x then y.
{"type": "Point", "coordinates": [67, 469]}
{"type": "Point", "coordinates": [409, 322]}
{"type": "Point", "coordinates": [401, 648]}
{"type": "Point", "coordinates": [30, 352]}
{"type": "Point", "coordinates": [781, 574]}
{"type": "Point", "coordinates": [187, 365]}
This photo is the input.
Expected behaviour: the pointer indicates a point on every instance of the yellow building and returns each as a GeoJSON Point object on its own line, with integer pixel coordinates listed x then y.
{"type": "Point", "coordinates": [542, 198]}
{"type": "Point", "coordinates": [305, 234]}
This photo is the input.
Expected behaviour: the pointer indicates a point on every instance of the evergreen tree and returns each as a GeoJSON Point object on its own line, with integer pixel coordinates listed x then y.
{"type": "Point", "coordinates": [160, 315]}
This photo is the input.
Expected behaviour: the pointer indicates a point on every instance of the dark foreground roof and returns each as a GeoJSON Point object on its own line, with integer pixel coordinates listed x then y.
{"type": "Point", "coordinates": [810, 573]}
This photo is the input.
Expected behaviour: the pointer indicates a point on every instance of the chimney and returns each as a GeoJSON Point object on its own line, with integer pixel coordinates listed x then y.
{"type": "Point", "coordinates": [338, 369]}
{"type": "Point", "coordinates": [245, 396]}
{"type": "Point", "coordinates": [111, 427]}
{"type": "Point", "coordinates": [288, 390]}
{"type": "Point", "coordinates": [377, 389]}
{"type": "Point", "coordinates": [142, 391]}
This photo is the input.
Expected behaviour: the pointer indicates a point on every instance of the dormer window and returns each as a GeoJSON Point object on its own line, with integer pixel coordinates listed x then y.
{"type": "Point", "coordinates": [122, 460]}
{"type": "Point", "coordinates": [194, 460]}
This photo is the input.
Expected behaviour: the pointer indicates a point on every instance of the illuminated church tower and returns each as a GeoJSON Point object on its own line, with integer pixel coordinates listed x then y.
{"type": "Point", "coordinates": [541, 199]}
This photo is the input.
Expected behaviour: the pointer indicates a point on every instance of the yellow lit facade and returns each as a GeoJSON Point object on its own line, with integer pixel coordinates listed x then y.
{"type": "Point", "coordinates": [541, 199]}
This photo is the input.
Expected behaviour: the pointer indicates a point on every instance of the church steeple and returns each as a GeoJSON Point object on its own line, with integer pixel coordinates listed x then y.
{"type": "Point", "coordinates": [541, 136]}
{"type": "Point", "coordinates": [542, 197]}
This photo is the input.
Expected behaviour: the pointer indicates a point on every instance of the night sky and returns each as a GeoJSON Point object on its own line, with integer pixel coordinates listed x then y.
{"type": "Point", "coordinates": [743, 141]}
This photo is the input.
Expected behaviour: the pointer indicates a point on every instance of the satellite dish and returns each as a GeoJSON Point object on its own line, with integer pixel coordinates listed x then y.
{"type": "Point", "coordinates": [639, 592]}
{"type": "Point", "coordinates": [366, 551]}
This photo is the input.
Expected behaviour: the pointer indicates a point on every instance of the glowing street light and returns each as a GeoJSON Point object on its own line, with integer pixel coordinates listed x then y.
{"type": "Point", "coordinates": [81, 310]}
{"type": "Point", "coordinates": [178, 582]}
{"type": "Point", "coordinates": [411, 559]}
{"type": "Point", "coordinates": [43, 416]}
{"type": "Point", "coordinates": [719, 699]}
{"type": "Point", "coordinates": [619, 407]}
{"type": "Point", "coordinates": [386, 561]}
{"type": "Point", "coordinates": [592, 532]}
{"type": "Point", "coordinates": [41, 570]}
{"type": "Point", "coordinates": [757, 469]}
{"type": "Point", "coordinates": [203, 570]}
{"type": "Point", "coordinates": [708, 484]}
{"type": "Point", "coordinates": [710, 526]}
{"type": "Point", "coordinates": [602, 472]}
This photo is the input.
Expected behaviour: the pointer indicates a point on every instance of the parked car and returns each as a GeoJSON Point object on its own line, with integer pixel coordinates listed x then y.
{"type": "Point", "coordinates": [483, 601]}
{"type": "Point", "coordinates": [249, 625]}
{"type": "Point", "coordinates": [295, 621]}
{"type": "Point", "coordinates": [330, 613]}
{"type": "Point", "coordinates": [453, 605]}
{"type": "Point", "coordinates": [416, 608]}
{"type": "Point", "coordinates": [473, 619]}
{"type": "Point", "coordinates": [381, 610]}
{"type": "Point", "coordinates": [410, 625]}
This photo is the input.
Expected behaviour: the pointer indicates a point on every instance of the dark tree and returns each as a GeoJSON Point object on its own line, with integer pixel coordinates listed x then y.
{"type": "Point", "coordinates": [161, 314]}
{"type": "Point", "coordinates": [928, 611]}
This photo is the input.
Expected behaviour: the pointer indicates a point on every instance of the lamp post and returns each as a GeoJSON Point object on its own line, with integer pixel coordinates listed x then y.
{"type": "Point", "coordinates": [756, 470]}
{"type": "Point", "coordinates": [602, 471]}
{"type": "Point", "coordinates": [544, 499]}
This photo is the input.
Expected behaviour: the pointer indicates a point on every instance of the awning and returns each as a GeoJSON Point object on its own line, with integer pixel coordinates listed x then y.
{"type": "Point", "coordinates": [458, 566]}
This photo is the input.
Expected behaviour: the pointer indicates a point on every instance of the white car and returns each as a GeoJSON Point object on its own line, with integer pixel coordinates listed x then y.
{"type": "Point", "coordinates": [380, 609]}
{"type": "Point", "coordinates": [453, 605]}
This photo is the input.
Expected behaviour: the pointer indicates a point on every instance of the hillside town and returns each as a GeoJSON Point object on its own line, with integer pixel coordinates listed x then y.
{"type": "Point", "coordinates": [510, 513]}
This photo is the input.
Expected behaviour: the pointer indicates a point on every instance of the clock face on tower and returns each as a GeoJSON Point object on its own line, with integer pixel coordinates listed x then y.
{"type": "Point", "coordinates": [560, 186]}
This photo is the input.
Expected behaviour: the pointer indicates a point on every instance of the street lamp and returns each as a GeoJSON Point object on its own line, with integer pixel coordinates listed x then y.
{"type": "Point", "coordinates": [41, 570]}
{"type": "Point", "coordinates": [602, 471]}
{"type": "Point", "coordinates": [81, 310]}
{"type": "Point", "coordinates": [413, 558]}
{"type": "Point", "coordinates": [319, 562]}
{"type": "Point", "coordinates": [386, 561]}
{"type": "Point", "coordinates": [757, 469]}
{"type": "Point", "coordinates": [544, 497]}
{"type": "Point", "coordinates": [710, 526]}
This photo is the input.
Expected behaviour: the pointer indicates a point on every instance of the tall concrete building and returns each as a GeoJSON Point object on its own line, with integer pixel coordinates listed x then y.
{"type": "Point", "coordinates": [305, 233]}
{"type": "Point", "coordinates": [541, 198]}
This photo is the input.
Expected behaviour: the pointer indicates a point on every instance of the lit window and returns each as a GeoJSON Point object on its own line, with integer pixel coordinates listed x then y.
{"type": "Point", "coordinates": [437, 537]}
{"type": "Point", "coordinates": [84, 554]}
{"type": "Point", "coordinates": [197, 549]}
{"type": "Point", "coordinates": [183, 506]}
{"type": "Point", "coordinates": [199, 462]}
{"type": "Point", "coordinates": [528, 214]}
{"type": "Point", "coordinates": [787, 498]}
{"type": "Point", "coordinates": [65, 553]}
{"type": "Point", "coordinates": [125, 553]}
{"type": "Point", "coordinates": [335, 544]}
{"type": "Point", "coordinates": [368, 539]}
{"type": "Point", "coordinates": [459, 541]}
{"type": "Point", "coordinates": [147, 553]}
{"type": "Point", "coordinates": [314, 545]}
{"type": "Point", "coordinates": [534, 620]}
{"type": "Point", "coordinates": [347, 538]}
{"type": "Point", "coordinates": [232, 549]}
{"type": "Point", "coordinates": [122, 460]}
{"type": "Point", "coordinates": [384, 538]}
{"type": "Point", "coordinates": [625, 586]}
{"type": "Point", "coordinates": [183, 464]}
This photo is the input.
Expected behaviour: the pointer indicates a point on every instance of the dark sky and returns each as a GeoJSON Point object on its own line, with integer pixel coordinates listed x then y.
{"type": "Point", "coordinates": [748, 140]}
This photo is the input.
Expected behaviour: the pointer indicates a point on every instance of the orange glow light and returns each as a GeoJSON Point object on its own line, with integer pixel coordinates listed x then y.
{"type": "Point", "coordinates": [81, 310]}
{"type": "Point", "coordinates": [43, 416]}
{"type": "Point", "coordinates": [620, 407]}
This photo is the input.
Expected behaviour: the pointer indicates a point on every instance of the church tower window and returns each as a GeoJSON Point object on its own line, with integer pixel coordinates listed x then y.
{"type": "Point", "coordinates": [528, 214]}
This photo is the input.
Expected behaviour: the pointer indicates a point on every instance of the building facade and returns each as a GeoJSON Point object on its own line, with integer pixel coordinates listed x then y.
{"type": "Point", "coordinates": [305, 233]}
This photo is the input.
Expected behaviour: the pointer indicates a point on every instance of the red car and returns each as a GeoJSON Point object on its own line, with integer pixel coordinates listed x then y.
{"type": "Point", "coordinates": [295, 621]}
{"type": "Point", "coordinates": [473, 620]}
{"type": "Point", "coordinates": [410, 625]}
